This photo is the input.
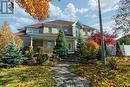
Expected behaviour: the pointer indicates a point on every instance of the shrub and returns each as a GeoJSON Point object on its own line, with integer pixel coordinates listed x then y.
{"type": "Point", "coordinates": [85, 54]}
{"type": "Point", "coordinates": [118, 50]}
{"type": "Point", "coordinates": [24, 50]}
{"type": "Point", "coordinates": [89, 51]}
{"type": "Point", "coordinates": [29, 52]}
{"type": "Point", "coordinates": [12, 55]}
{"type": "Point", "coordinates": [80, 43]}
{"type": "Point", "coordinates": [93, 48]}
{"type": "Point", "coordinates": [41, 57]}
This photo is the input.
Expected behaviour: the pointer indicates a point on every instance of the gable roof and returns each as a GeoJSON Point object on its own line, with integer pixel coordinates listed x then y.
{"type": "Point", "coordinates": [60, 22]}
{"type": "Point", "coordinates": [57, 22]}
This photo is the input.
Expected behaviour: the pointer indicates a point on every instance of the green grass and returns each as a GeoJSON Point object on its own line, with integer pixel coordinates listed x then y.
{"type": "Point", "coordinates": [34, 76]}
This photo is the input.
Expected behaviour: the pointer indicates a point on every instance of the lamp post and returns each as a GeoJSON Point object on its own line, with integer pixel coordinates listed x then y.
{"type": "Point", "coordinates": [101, 34]}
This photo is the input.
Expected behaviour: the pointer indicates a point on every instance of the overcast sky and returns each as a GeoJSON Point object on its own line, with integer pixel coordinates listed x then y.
{"type": "Point", "coordinates": [83, 10]}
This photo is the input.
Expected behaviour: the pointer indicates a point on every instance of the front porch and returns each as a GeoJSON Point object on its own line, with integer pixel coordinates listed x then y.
{"type": "Point", "coordinates": [48, 43]}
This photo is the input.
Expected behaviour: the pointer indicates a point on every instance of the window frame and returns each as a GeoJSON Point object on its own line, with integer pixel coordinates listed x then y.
{"type": "Point", "coordinates": [66, 31]}
{"type": "Point", "coordinates": [77, 31]}
{"type": "Point", "coordinates": [49, 44]}
{"type": "Point", "coordinates": [50, 29]}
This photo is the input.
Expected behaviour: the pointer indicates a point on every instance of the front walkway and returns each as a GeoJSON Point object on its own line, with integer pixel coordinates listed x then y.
{"type": "Point", "coordinates": [66, 79]}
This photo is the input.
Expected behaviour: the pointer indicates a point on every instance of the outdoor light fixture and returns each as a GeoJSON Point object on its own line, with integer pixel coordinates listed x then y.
{"type": "Point", "coordinates": [102, 35]}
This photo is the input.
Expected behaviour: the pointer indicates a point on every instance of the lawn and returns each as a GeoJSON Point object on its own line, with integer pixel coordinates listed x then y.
{"type": "Point", "coordinates": [102, 75]}
{"type": "Point", "coordinates": [26, 76]}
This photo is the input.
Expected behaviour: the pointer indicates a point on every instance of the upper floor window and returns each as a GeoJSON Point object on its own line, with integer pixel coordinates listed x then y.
{"type": "Point", "coordinates": [77, 32]}
{"type": "Point", "coordinates": [58, 28]}
{"type": "Point", "coordinates": [34, 31]}
{"type": "Point", "coordinates": [66, 31]}
{"type": "Point", "coordinates": [41, 31]}
{"type": "Point", "coordinates": [50, 29]}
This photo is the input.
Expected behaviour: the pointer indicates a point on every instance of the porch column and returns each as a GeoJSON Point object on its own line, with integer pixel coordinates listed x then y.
{"type": "Point", "coordinates": [54, 42]}
{"type": "Point", "coordinates": [31, 42]}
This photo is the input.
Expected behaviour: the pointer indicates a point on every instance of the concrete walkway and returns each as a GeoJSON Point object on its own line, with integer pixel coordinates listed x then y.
{"type": "Point", "coordinates": [66, 79]}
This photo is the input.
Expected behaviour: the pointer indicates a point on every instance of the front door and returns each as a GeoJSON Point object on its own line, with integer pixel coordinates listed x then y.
{"type": "Point", "coordinates": [37, 43]}
{"type": "Point", "coordinates": [70, 47]}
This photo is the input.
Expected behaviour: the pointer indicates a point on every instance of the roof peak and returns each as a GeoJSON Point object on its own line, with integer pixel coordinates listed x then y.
{"type": "Point", "coordinates": [60, 21]}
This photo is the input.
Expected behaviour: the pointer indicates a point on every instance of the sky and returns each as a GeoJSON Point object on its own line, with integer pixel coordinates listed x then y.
{"type": "Point", "coordinates": [85, 11]}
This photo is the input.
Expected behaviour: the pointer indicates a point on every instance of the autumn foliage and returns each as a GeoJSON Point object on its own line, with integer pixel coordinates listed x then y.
{"type": "Point", "coordinates": [92, 43]}
{"type": "Point", "coordinates": [38, 9]}
{"type": "Point", "coordinates": [101, 75]}
{"type": "Point", "coordinates": [6, 35]}
{"type": "Point", "coordinates": [92, 47]}
{"type": "Point", "coordinates": [18, 41]}
{"type": "Point", "coordinates": [108, 38]}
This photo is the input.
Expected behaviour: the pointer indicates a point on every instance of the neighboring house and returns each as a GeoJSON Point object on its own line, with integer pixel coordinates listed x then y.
{"type": "Point", "coordinates": [45, 34]}
{"type": "Point", "coordinates": [124, 42]}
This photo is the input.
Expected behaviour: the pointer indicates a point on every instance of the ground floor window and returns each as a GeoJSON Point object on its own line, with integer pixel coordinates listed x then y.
{"type": "Point", "coordinates": [49, 44]}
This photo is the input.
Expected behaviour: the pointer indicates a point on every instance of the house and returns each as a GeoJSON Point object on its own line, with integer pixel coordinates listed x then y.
{"type": "Point", "coordinates": [124, 42]}
{"type": "Point", "coordinates": [45, 34]}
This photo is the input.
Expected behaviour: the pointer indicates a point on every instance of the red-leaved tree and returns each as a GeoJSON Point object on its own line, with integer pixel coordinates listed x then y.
{"type": "Point", "coordinates": [108, 38]}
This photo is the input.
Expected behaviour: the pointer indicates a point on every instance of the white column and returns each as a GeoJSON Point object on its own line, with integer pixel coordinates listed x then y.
{"type": "Point", "coordinates": [31, 42]}
{"type": "Point", "coordinates": [54, 42]}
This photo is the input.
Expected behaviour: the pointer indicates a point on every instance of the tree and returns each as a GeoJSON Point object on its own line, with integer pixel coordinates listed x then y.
{"type": "Point", "coordinates": [61, 45]}
{"type": "Point", "coordinates": [122, 17]}
{"type": "Point", "coordinates": [108, 38]}
{"type": "Point", "coordinates": [38, 9]}
{"type": "Point", "coordinates": [12, 55]}
{"type": "Point", "coordinates": [93, 48]}
{"type": "Point", "coordinates": [124, 40]}
{"type": "Point", "coordinates": [118, 50]}
{"type": "Point", "coordinates": [6, 35]}
{"type": "Point", "coordinates": [85, 53]}
{"type": "Point", "coordinates": [88, 50]}
{"type": "Point", "coordinates": [80, 43]}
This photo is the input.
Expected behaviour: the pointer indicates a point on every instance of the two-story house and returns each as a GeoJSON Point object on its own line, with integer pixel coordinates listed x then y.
{"type": "Point", "coordinates": [45, 34]}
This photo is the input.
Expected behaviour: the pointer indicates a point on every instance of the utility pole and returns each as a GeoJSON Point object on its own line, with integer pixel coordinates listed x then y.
{"type": "Point", "coordinates": [101, 34]}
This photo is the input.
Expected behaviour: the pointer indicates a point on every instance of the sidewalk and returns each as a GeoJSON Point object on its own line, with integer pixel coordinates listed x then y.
{"type": "Point", "coordinates": [64, 78]}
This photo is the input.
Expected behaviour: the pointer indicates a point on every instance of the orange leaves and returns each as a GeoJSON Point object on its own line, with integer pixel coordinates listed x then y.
{"type": "Point", "coordinates": [93, 48]}
{"type": "Point", "coordinates": [3, 40]}
{"type": "Point", "coordinates": [6, 36]}
{"type": "Point", "coordinates": [18, 41]}
{"type": "Point", "coordinates": [129, 73]}
{"type": "Point", "coordinates": [93, 44]}
{"type": "Point", "coordinates": [102, 76]}
{"type": "Point", "coordinates": [38, 9]}
{"type": "Point", "coordinates": [24, 85]}
{"type": "Point", "coordinates": [98, 74]}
